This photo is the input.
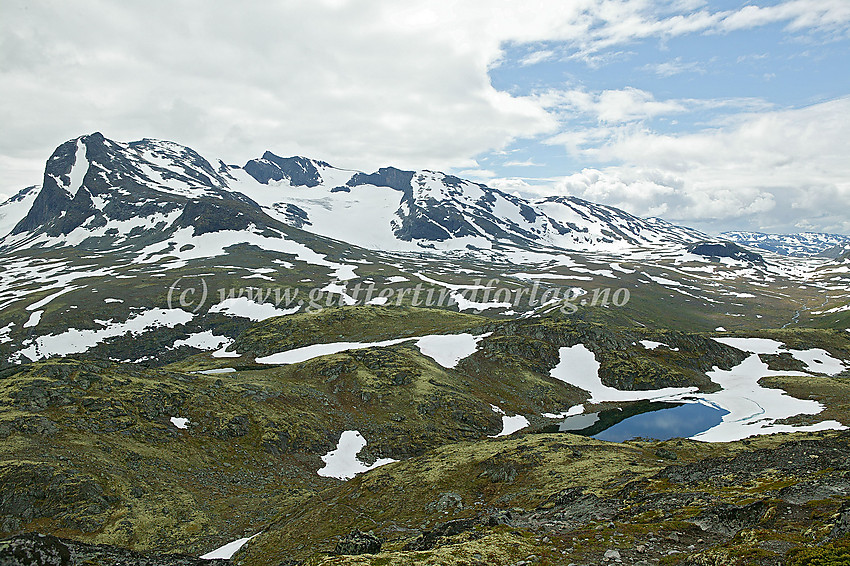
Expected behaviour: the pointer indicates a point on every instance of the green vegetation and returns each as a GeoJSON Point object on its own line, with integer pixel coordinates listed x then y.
{"type": "Point", "coordinates": [89, 452]}
{"type": "Point", "coordinates": [831, 554]}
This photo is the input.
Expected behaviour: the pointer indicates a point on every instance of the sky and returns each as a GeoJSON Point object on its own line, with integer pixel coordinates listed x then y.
{"type": "Point", "coordinates": [720, 115]}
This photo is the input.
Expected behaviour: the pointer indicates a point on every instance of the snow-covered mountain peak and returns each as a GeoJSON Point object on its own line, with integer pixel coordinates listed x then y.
{"type": "Point", "coordinates": [174, 167]}
{"type": "Point", "coordinates": [16, 207]}
{"type": "Point", "coordinates": [97, 188]}
{"type": "Point", "coordinates": [806, 244]}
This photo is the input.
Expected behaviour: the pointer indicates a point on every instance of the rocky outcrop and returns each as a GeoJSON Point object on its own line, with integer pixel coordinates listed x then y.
{"type": "Point", "coordinates": [358, 543]}
{"type": "Point", "coordinates": [33, 549]}
{"type": "Point", "coordinates": [299, 171]}
{"type": "Point", "coordinates": [34, 491]}
{"type": "Point", "coordinates": [384, 177]}
{"type": "Point", "coordinates": [716, 250]}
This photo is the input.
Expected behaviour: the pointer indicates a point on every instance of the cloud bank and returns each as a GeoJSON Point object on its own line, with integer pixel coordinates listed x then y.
{"type": "Point", "coordinates": [368, 84]}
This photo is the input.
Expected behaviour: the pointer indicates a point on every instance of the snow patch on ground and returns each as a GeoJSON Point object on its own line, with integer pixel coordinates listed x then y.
{"type": "Point", "coordinates": [342, 291]}
{"type": "Point", "coordinates": [213, 244]}
{"type": "Point", "coordinates": [4, 333]}
{"type": "Point", "coordinates": [342, 463]}
{"type": "Point", "coordinates": [816, 359]}
{"type": "Point", "coordinates": [246, 308]}
{"type": "Point", "coordinates": [228, 550]}
{"type": "Point", "coordinates": [204, 341]}
{"type": "Point", "coordinates": [510, 424]}
{"type": "Point", "coordinates": [464, 304]}
{"type": "Point", "coordinates": [572, 411]}
{"type": "Point", "coordinates": [47, 299]}
{"type": "Point", "coordinates": [74, 341]}
{"type": "Point", "coordinates": [180, 422]}
{"type": "Point", "coordinates": [299, 355]}
{"type": "Point", "coordinates": [445, 349]}
{"type": "Point", "coordinates": [651, 345]}
{"type": "Point", "coordinates": [78, 170]}
{"type": "Point", "coordinates": [753, 345]}
{"type": "Point", "coordinates": [753, 409]}
{"type": "Point", "coordinates": [34, 319]}
{"type": "Point", "coordinates": [621, 269]}
{"type": "Point", "coordinates": [216, 371]}
{"type": "Point", "coordinates": [449, 349]}
{"type": "Point", "coordinates": [223, 353]}
{"type": "Point", "coordinates": [578, 366]}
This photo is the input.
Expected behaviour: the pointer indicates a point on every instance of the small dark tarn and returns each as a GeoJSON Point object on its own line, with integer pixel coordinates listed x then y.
{"type": "Point", "coordinates": [643, 419]}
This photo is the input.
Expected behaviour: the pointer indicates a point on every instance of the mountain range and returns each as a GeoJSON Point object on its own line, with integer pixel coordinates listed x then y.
{"type": "Point", "coordinates": [287, 363]}
{"type": "Point", "coordinates": [97, 191]}
{"type": "Point", "coordinates": [151, 209]}
{"type": "Point", "coordinates": [804, 244]}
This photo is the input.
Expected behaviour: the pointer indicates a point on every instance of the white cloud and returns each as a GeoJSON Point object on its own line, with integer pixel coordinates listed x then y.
{"type": "Point", "coordinates": [799, 15]}
{"type": "Point", "coordinates": [482, 174]}
{"type": "Point", "coordinates": [527, 163]}
{"type": "Point", "coordinates": [770, 168]}
{"type": "Point", "coordinates": [632, 104]}
{"type": "Point", "coordinates": [608, 106]}
{"type": "Point", "coordinates": [360, 84]}
{"type": "Point", "coordinates": [675, 66]}
{"type": "Point", "coordinates": [617, 106]}
{"type": "Point", "coordinates": [537, 57]}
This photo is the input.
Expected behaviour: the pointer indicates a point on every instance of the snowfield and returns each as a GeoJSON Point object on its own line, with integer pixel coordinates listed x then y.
{"type": "Point", "coordinates": [342, 463]}
{"type": "Point", "coordinates": [445, 349]}
{"type": "Point", "coordinates": [74, 341]}
{"type": "Point", "coordinates": [510, 423]}
{"type": "Point", "coordinates": [752, 409]}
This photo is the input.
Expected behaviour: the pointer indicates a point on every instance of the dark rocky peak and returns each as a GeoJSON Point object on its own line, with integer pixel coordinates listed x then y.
{"type": "Point", "coordinates": [385, 177]}
{"type": "Point", "coordinates": [449, 208]}
{"type": "Point", "coordinates": [90, 180]}
{"type": "Point", "coordinates": [300, 171]}
{"type": "Point", "coordinates": [840, 252]}
{"type": "Point", "coordinates": [716, 250]}
{"type": "Point", "coordinates": [64, 176]}
{"type": "Point", "coordinates": [214, 215]}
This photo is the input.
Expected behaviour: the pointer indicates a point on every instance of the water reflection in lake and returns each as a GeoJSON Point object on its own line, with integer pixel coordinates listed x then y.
{"type": "Point", "coordinates": [648, 419]}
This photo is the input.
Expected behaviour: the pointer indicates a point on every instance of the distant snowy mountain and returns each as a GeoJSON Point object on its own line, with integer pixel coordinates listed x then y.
{"type": "Point", "coordinates": [16, 208]}
{"type": "Point", "coordinates": [392, 209]}
{"type": "Point", "coordinates": [807, 244]}
{"type": "Point", "coordinates": [105, 194]}
{"type": "Point", "coordinates": [149, 238]}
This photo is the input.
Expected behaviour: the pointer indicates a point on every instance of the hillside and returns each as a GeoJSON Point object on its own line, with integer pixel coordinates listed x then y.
{"type": "Point", "coordinates": [289, 363]}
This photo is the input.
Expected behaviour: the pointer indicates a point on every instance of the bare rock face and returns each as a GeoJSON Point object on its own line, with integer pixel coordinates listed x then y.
{"type": "Point", "coordinates": [358, 543]}
{"type": "Point", "coordinates": [299, 171]}
{"type": "Point", "coordinates": [725, 249]}
{"type": "Point", "coordinates": [34, 549]}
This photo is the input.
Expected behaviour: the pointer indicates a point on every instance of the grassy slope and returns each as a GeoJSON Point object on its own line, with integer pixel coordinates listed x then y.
{"type": "Point", "coordinates": [396, 503]}
{"type": "Point", "coordinates": [95, 439]}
